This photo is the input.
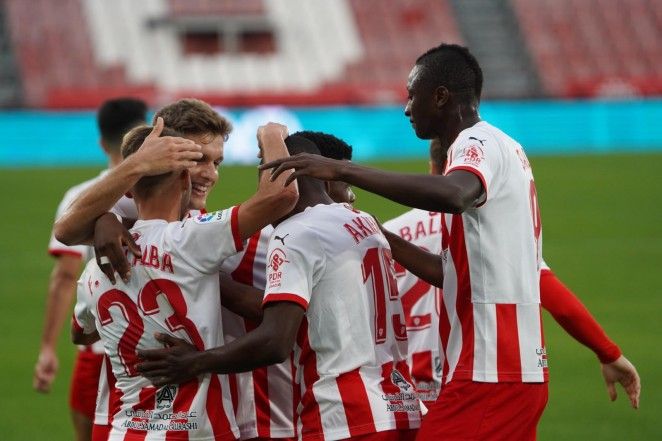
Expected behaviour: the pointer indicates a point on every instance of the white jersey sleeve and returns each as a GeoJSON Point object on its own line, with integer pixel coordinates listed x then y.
{"type": "Point", "coordinates": [57, 248]}
{"type": "Point", "coordinates": [83, 319]}
{"type": "Point", "coordinates": [205, 240]}
{"type": "Point", "coordinates": [125, 208]}
{"type": "Point", "coordinates": [294, 262]}
{"type": "Point", "coordinates": [481, 157]}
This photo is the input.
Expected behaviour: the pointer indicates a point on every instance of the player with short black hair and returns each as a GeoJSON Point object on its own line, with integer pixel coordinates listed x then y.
{"type": "Point", "coordinates": [453, 66]}
{"type": "Point", "coordinates": [330, 289]}
{"type": "Point", "coordinates": [116, 117]}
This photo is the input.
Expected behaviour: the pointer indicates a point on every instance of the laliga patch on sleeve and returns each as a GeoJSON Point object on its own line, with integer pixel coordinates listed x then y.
{"type": "Point", "coordinates": [207, 218]}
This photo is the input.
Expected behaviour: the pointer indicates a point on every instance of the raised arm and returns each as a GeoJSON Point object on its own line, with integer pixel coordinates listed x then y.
{"type": "Point", "coordinates": [269, 343]}
{"type": "Point", "coordinates": [157, 155]}
{"type": "Point", "coordinates": [274, 198]}
{"type": "Point", "coordinates": [453, 193]}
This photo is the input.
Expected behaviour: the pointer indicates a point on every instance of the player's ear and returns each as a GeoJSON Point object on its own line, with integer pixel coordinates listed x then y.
{"type": "Point", "coordinates": [441, 96]}
{"type": "Point", "coordinates": [129, 195]}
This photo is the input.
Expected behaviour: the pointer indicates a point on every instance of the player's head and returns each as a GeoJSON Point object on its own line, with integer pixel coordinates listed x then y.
{"type": "Point", "coordinates": [115, 118]}
{"type": "Point", "coordinates": [197, 121]}
{"type": "Point", "coordinates": [438, 156]}
{"type": "Point", "coordinates": [335, 148]}
{"type": "Point", "coordinates": [443, 78]}
{"type": "Point", "coordinates": [309, 188]}
{"type": "Point", "coordinates": [166, 184]}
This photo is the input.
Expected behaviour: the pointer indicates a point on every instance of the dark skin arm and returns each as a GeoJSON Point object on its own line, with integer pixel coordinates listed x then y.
{"type": "Point", "coordinates": [80, 338]}
{"type": "Point", "coordinates": [453, 193]}
{"type": "Point", "coordinates": [270, 343]}
{"type": "Point", "coordinates": [424, 265]}
{"type": "Point", "coordinates": [243, 300]}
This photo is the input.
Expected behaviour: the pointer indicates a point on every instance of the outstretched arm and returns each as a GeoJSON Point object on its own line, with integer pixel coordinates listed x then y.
{"type": "Point", "coordinates": [157, 155]}
{"type": "Point", "coordinates": [453, 193]}
{"type": "Point", "coordinates": [423, 264]}
{"type": "Point", "coordinates": [243, 300]}
{"type": "Point", "coordinates": [269, 343]}
{"type": "Point", "coordinates": [577, 321]}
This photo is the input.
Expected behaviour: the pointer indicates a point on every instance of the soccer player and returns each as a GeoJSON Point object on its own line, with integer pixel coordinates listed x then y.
{"type": "Point", "coordinates": [330, 288]}
{"type": "Point", "coordinates": [496, 381]}
{"type": "Point", "coordinates": [197, 121]}
{"type": "Point", "coordinates": [174, 289]}
{"type": "Point", "coordinates": [114, 118]}
{"type": "Point", "coordinates": [420, 302]}
{"type": "Point", "coordinates": [266, 398]}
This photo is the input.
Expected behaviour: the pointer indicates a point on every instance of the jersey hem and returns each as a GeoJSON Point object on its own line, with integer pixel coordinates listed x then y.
{"type": "Point", "coordinates": [363, 429]}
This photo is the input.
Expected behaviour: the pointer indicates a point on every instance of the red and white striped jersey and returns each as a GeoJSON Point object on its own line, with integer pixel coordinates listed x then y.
{"type": "Point", "coordinates": [490, 321]}
{"type": "Point", "coordinates": [420, 302]}
{"type": "Point", "coordinates": [351, 350]}
{"type": "Point", "coordinates": [265, 399]}
{"type": "Point", "coordinates": [173, 289]}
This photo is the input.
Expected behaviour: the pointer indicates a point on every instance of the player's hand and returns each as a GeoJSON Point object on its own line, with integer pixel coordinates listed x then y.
{"type": "Point", "coordinates": [306, 164]}
{"type": "Point", "coordinates": [624, 372]}
{"type": "Point", "coordinates": [170, 365]}
{"type": "Point", "coordinates": [109, 238]}
{"type": "Point", "coordinates": [163, 154]}
{"type": "Point", "coordinates": [269, 129]}
{"type": "Point", "coordinates": [45, 370]}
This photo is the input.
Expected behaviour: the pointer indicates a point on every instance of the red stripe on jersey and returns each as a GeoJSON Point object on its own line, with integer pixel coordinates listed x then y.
{"type": "Point", "coordinates": [389, 388]}
{"type": "Point", "coordinates": [234, 225]}
{"type": "Point", "coordinates": [244, 271]}
{"type": "Point", "coordinates": [114, 394]}
{"type": "Point", "coordinates": [215, 411]}
{"type": "Point", "coordinates": [356, 403]}
{"type": "Point", "coordinates": [285, 297]}
{"type": "Point", "coordinates": [57, 252]}
{"type": "Point", "coordinates": [463, 305]}
{"type": "Point", "coordinates": [509, 364]}
{"type": "Point", "coordinates": [261, 395]}
{"type": "Point", "coordinates": [311, 420]}
{"type": "Point", "coordinates": [146, 401]}
{"type": "Point", "coordinates": [75, 326]}
{"type": "Point", "coordinates": [183, 400]}
{"type": "Point", "coordinates": [234, 392]}
{"type": "Point", "coordinates": [444, 334]}
{"type": "Point", "coordinates": [421, 366]}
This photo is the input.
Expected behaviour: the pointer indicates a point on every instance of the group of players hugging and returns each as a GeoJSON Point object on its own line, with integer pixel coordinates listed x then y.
{"type": "Point", "coordinates": [294, 315]}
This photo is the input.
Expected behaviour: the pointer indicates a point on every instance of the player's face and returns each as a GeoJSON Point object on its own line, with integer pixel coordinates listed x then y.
{"type": "Point", "coordinates": [420, 108]}
{"type": "Point", "coordinates": [205, 174]}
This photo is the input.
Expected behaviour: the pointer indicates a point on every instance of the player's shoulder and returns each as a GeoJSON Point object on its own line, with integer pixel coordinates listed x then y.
{"type": "Point", "coordinates": [407, 218]}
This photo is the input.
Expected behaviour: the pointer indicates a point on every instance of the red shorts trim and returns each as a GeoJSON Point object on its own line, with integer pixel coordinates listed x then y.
{"type": "Point", "coordinates": [85, 382]}
{"type": "Point", "coordinates": [495, 411]}
{"type": "Point", "coordinates": [101, 432]}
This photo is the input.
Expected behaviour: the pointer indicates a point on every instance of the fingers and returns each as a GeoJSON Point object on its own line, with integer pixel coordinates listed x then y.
{"type": "Point", "coordinates": [158, 128]}
{"type": "Point", "coordinates": [152, 367]}
{"type": "Point", "coordinates": [168, 340]}
{"type": "Point", "coordinates": [611, 390]}
{"type": "Point", "coordinates": [153, 354]}
{"type": "Point", "coordinates": [272, 164]}
{"type": "Point", "coordinates": [633, 389]}
{"type": "Point", "coordinates": [285, 165]}
{"type": "Point", "coordinates": [104, 265]}
{"type": "Point", "coordinates": [131, 244]}
{"type": "Point", "coordinates": [291, 178]}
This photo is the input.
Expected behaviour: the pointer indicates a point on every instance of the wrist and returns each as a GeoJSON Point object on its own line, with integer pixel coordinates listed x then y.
{"type": "Point", "coordinates": [199, 363]}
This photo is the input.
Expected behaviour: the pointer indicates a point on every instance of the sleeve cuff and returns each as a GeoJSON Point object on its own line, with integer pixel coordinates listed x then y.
{"type": "Point", "coordinates": [234, 225]}
{"type": "Point", "coordinates": [476, 172]}
{"type": "Point", "coordinates": [610, 354]}
{"type": "Point", "coordinates": [56, 252]}
{"type": "Point", "coordinates": [285, 297]}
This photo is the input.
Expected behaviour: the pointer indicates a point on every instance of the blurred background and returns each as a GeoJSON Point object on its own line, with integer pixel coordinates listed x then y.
{"type": "Point", "coordinates": [577, 82]}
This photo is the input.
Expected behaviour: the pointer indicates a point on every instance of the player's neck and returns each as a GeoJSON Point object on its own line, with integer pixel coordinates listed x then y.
{"type": "Point", "coordinates": [308, 197]}
{"type": "Point", "coordinates": [160, 206]}
{"type": "Point", "coordinates": [464, 115]}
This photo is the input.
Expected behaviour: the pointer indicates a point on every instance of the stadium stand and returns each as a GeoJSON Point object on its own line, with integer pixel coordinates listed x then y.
{"type": "Point", "coordinates": [595, 47]}
{"type": "Point", "coordinates": [76, 53]}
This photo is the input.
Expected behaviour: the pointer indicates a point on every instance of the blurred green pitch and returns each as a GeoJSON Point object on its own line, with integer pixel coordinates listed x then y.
{"type": "Point", "coordinates": [602, 227]}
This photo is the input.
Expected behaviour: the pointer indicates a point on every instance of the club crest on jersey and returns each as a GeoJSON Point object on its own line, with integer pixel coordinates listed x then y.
{"type": "Point", "coordinates": [399, 380]}
{"type": "Point", "coordinates": [473, 154]}
{"type": "Point", "coordinates": [277, 258]}
{"type": "Point", "coordinates": [205, 218]}
{"type": "Point", "coordinates": [165, 396]}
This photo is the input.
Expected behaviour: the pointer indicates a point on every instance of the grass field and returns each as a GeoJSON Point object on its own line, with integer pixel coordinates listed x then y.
{"type": "Point", "coordinates": [602, 218]}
